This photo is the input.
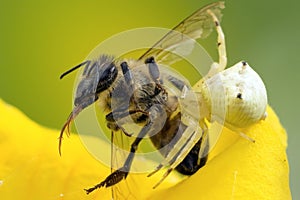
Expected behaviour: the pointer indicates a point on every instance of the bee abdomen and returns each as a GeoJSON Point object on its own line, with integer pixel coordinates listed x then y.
{"type": "Point", "coordinates": [191, 163]}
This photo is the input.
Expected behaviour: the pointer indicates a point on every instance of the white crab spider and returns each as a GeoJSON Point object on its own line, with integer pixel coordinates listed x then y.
{"type": "Point", "coordinates": [245, 93]}
{"type": "Point", "coordinates": [235, 97]}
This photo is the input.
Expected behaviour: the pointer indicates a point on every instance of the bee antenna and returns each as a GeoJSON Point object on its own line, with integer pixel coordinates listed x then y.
{"type": "Point", "coordinates": [74, 68]}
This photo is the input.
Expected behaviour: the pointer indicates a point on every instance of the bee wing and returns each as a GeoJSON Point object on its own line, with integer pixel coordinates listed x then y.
{"type": "Point", "coordinates": [180, 40]}
{"type": "Point", "coordinates": [119, 152]}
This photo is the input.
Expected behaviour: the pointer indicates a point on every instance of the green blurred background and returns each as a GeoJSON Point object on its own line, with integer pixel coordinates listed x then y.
{"type": "Point", "coordinates": [42, 39]}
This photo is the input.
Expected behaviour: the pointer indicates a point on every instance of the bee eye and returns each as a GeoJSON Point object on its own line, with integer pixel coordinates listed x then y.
{"type": "Point", "coordinates": [107, 77]}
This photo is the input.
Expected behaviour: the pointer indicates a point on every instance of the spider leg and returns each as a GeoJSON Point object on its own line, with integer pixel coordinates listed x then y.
{"type": "Point", "coordinates": [243, 135]}
{"type": "Point", "coordinates": [217, 67]}
{"type": "Point", "coordinates": [180, 147]}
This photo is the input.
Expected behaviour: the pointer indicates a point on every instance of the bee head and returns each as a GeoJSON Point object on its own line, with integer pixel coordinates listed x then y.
{"type": "Point", "coordinates": [97, 76]}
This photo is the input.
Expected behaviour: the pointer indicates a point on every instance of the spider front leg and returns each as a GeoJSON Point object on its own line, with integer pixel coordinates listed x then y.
{"type": "Point", "coordinates": [154, 113]}
{"type": "Point", "coordinates": [181, 146]}
{"type": "Point", "coordinates": [217, 67]}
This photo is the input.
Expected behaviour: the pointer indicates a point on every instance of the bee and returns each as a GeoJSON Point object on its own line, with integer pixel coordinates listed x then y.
{"type": "Point", "coordinates": [173, 115]}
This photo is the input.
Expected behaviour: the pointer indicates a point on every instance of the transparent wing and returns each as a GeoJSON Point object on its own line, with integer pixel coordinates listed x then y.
{"type": "Point", "coordinates": [180, 40]}
{"type": "Point", "coordinates": [119, 151]}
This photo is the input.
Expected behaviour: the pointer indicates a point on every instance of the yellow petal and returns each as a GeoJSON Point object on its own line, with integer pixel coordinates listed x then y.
{"type": "Point", "coordinates": [241, 169]}
{"type": "Point", "coordinates": [31, 168]}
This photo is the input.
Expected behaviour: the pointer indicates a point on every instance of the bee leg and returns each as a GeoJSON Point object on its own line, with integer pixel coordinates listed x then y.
{"type": "Point", "coordinates": [179, 84]}
{"type": "Point", "coordinates": [122, 172]}
{"type": "Point", "coordinates": [130, 81]}
{"type": "Point", "coordinates": [113, 117]}
{"type": "Point", "coordinates": [154, 72]}
{"type": "Point", "coordinates": [128, 75]}
{"type": "Point", "coordinates": [112, 179]}
{"type": "Point", "coordinates": [217, 67]}
{"type": "Point", "coordinates": [153, 68]}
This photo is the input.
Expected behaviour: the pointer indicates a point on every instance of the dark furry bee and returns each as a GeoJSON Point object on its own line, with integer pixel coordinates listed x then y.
{"type": "Point", "coordinates": [141, 91]}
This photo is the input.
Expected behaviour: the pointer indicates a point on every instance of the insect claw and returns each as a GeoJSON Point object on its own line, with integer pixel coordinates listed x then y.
{"type": "Point", "coordinates": [156, 170]}
{"type": "Point", "coordinates": [163, 178]}
{"type": "Point", "coordinates": [243, 135]}
{"type": "Point", "coordinates": [111, 180]}
{"type": "Point", "coordinates": [88, 191]}
{"type": "Point", "coordinates": [264, 116]}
